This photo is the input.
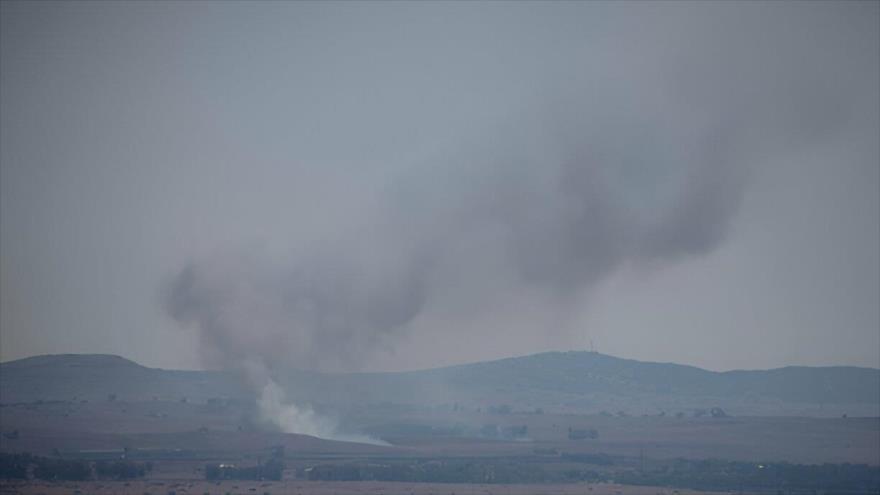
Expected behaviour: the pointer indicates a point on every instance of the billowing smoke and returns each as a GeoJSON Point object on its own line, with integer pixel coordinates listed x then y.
{"type": "Point", "coordinates": [557, 223]}
{"type": "Point", "coordinates": [644, 165]}
{"type": "Point", "coordinates": [458, 237]}
{"type": "Point", "coordinates": [260, 321]}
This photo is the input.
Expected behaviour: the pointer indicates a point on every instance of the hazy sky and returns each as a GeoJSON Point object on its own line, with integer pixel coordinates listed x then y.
{"type": "Point", "coordinates": [397, 185]}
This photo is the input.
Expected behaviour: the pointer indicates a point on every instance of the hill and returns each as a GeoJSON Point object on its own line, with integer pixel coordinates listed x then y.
{"type": "Point", "coordinates": [560, 381]}
{"type": "Point", "coordinates": [97, 376]}
{"type": "Point", "coordinates": [590, 382]}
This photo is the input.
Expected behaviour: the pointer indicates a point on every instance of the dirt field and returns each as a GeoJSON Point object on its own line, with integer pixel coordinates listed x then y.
{"type": "Point", "coordinates": [324, 488]}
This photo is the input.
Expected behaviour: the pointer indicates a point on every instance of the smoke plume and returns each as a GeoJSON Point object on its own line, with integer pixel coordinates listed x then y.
{"type": "Point", "coordinates": [555, 224]}
{"type": "Point", "coordinates": [646, 165]}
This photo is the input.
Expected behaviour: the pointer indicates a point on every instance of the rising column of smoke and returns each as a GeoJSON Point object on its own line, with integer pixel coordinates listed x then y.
{"type": "Point", "coordinates": [557, 225]}
{"type": "Point", "coordinates": [553, 207]}
{"type": "Point", "coordinates": [258, 320]}
{"type": "Point", "coordinates": [276, 410]}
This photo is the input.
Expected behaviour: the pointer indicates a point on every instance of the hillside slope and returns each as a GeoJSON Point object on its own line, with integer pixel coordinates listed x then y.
{"type": "Point", "coordinates": [96, 376]}
{"type": "Point", "coordinates": [592, 382]}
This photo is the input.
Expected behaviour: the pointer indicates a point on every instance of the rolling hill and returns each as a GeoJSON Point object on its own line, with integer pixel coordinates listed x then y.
{"type": "Point", "coordinates": [560, 381]}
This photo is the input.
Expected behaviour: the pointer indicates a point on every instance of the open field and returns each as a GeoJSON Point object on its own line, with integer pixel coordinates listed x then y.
{"type": "Point", "coordinates": [220, 433]}
{"type": "Point", "coordinates": [436, 448]}
{"type": "Point", "coordinates": [326, 488]}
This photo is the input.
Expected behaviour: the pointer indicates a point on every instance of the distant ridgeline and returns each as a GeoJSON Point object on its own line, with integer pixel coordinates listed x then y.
{"type": "Point", "coordinates": [583, 382]}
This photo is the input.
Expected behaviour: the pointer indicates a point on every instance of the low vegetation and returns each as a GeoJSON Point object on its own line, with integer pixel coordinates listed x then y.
{"type": "Point", "coordinates": [25, 466]}
{"type": "Point", "coordinates": [785, 477]}
{"type": "Point", "coordinates": [680, 473]}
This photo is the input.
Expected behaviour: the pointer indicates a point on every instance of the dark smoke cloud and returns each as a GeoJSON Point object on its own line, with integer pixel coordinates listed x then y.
{"type": "Point", "coordinates": [430, 183]}
{"type": "Point", "coordinates": [646, 165]}
{"type": "Point", "coordinates": [318, 313]}
{"type": "Point", "coordinates": [555, 223]}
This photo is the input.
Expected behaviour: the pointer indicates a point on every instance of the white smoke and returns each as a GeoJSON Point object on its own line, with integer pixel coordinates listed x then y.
{"type": "Point", "coordinates": [290, 418]}
{"type": "Point", "coordinates": [276, 411]}
{"type": "Point", "coordinates": [247, 329]}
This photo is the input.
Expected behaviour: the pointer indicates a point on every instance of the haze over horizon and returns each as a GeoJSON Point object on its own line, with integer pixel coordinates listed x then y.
{"type": "Point", "coordinates": [416, 369]}
{"type": "Point", "coordinates": [389, 186]}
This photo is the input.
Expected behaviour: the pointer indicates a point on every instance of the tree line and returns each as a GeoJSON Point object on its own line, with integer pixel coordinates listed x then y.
{"type": "Point", "coordinates": [26, 466]}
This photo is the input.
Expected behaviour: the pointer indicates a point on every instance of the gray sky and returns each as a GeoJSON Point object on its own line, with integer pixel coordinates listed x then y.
{"type": "Point", "coordinates": [399, 185]}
